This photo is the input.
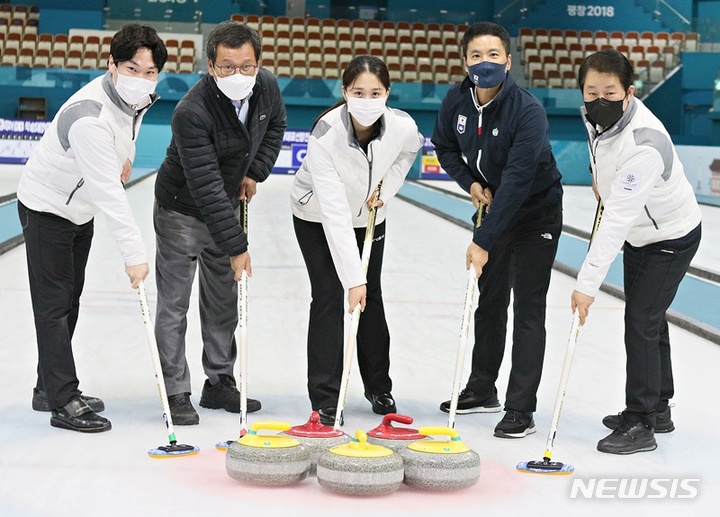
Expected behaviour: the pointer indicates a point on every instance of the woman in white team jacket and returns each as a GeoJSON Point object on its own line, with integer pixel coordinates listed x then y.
{"type": "Point", "coordinates": [354, 146]}
{"type": "Point", "coordinates": [650, 211]}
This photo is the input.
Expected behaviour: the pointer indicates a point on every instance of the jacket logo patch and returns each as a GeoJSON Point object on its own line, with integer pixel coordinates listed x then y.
{"type": "Point", "coordinates": [461, 122]}
{"type": "Point", "coordinates": [629, 182]}
{"type": "Point", "coordinates": [495, 132]}
{"type": "Point", "coordinates": [262, 117]}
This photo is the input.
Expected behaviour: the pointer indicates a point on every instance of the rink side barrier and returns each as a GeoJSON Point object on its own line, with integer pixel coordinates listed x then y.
{"type": "Point", "coordinates": [694, 307]}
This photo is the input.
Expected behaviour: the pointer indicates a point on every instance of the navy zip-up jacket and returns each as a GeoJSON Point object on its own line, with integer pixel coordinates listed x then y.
{"type": "Point", "coordinates": [503, 145]}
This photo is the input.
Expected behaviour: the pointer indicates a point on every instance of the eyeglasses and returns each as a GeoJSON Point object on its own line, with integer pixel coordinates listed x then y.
{"type": "Point", "coordinates": [231, 70]}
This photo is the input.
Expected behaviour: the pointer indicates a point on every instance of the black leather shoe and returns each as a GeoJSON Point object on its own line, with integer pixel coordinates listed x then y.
{"type": "Point", "coordinates": [327, 416]}
{"type": "Point", "coordinates": [40, 402]}
{"type": "Point", "coordinates": [76, 415]}
{"type": "Point", "coordinates": [382, 403]}
{"type": "Point", "coordinates": [225, 395]}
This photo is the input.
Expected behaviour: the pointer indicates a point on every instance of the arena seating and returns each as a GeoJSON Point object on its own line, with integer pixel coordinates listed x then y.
{"type": "Point", "coordinates": [547, 51]}
{"type": "Point", "coordinates": [321, 48]}
{"type": "Point", "coordinates": [414, 52]}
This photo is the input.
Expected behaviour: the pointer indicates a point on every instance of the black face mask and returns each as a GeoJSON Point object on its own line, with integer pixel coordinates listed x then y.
{"type": "Point", "coordinates": [603, 112]}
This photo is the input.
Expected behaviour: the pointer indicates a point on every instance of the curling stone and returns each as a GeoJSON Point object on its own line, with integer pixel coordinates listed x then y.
{"type": "Point", "coordinates": [440, 464]}
{"type": "Point", "coordinates": [316, 438]}
{"type": "Point", "coordinates": [360, 468]}
{"type": "Point", "coordinates": [267, 459]}
{"type": "Point", "coordinates": [394, 438]}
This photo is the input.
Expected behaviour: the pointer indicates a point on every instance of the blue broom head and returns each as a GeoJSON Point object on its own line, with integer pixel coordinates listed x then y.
{"type": "Point", "coordinates": [545, 467]}
{"type": "Point", "coordinates": [173, 451]}
{"type": "Point", "coordinates": [223, 446]}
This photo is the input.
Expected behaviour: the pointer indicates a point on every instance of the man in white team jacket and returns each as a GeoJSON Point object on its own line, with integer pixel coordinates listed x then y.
{"type": "Point", "coordinates": [76, 171]}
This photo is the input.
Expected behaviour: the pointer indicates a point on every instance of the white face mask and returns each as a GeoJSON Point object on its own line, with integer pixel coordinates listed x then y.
{"type": "Point", "coordinates": [134, 90]}
{"type": "Point", "coordinates": [237, 86]}
{"type": "Point", "coordinates": [366, 111]}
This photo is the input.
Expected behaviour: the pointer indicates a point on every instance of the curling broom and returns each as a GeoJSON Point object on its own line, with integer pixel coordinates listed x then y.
{"type": "Point", "coordinates": [173, 449]}
{"type": "Point", "coordinates": [351, 343]}
{"type": "Point", "coordinates": [546, 465]}
{"type": "Point", "coordinates": [243, 338]}
{"type": "Point", "coordinates": [472, 281]}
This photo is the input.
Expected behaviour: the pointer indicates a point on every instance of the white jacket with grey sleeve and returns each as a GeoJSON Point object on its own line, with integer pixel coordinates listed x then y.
{"type": "Point", "coordinates": [337, 178]}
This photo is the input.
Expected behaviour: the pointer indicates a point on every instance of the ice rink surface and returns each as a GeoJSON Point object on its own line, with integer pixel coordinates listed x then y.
{"type": "Point", "coordinates": [46, 471]}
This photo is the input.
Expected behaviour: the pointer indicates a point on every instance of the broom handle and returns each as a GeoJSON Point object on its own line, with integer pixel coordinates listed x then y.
{"type": "Point", "coordinates": [150, 331]}
{"type": "Point", "coordinates": [464, 330]}
{"type": "Point", "coordinates": [567, 363]}
{"type": "Point", "coordinates": [355, 319]}
{"type": "Point", "coordinates": [242, 330]}
{"type": "Point", "coordinates": [598, 216]}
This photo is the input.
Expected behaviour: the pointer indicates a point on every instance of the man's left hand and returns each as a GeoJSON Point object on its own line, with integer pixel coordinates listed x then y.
{"type": "Point", "coordinates": [476, 257]}
{"type": "Point", "coordinates": [248, 189]}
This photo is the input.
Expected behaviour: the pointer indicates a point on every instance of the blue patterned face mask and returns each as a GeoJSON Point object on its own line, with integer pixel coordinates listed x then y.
{"type": "Point", "coordinates": [487, 74]}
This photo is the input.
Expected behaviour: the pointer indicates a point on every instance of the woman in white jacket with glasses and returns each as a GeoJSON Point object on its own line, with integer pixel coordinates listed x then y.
{"type": "Point", "coordinates": [354, 146]}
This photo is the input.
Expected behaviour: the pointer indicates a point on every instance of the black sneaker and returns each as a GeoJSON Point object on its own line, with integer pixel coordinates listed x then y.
{"type": "Point", "coordinates": [631, 436]}
{"type": "Point", "coordinates": [663, 422]}
{"type": "Point", "coordinates": [76, 415]}
{"type": "Point", "coordinates": [515, 424]}
{"type": "Point", "coordinates": [40, 402]}
{"type": "Point", "coordinates": [471, 402]}
{"type": "Point", "coordinates": [182, 410]}
{"type": "Point", "coordinates": [225, 395]}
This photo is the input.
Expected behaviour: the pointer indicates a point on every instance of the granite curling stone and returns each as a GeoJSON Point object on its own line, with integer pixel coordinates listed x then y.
{"type": "Point", "coordinates": [394, 438]}
{"type": "Point", "coordinates": [440, 464]}
{"type": "Point", "coordinates": [360, 468]}
{"type": "Point", "coordinates": [267, 459]}
{"type": "Point", "coordinates": [316, 438]}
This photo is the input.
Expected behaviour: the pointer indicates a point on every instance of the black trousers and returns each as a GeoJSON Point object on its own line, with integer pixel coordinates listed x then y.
{"type": "Point", "coordinates": [57, 253]}
{"type": "Point", "coordinates": [521, 260]}
{"type": "Point", "coordinates": [325, 341]}
{"type": "Point", "coordinates": [652, 275]}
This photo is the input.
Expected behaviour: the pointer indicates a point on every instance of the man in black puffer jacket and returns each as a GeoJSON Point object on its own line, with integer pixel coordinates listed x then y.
{"type": "Point", "coordinates": [227, 132]}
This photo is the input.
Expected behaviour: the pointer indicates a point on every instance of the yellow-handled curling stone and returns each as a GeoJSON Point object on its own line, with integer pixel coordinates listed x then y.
{"type": "Point", "coordinates": [440, 464]}
{"type": "Point", "coordinates": [360, 468]}
{"type": "Point", "coordinates": [263, 459]}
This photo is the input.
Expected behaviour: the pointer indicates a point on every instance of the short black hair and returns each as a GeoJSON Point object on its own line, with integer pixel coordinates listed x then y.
{"type": "Point", "coordinates": [485, 29]}
{"type": "Point", "coordinates": [131, 37]}
{"type": "Point", "coordinates": [608, 61]}
{"type": "Point", "coordinates": [232, 35]}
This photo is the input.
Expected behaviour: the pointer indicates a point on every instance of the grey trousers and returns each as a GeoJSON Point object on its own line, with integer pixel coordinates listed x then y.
{"type": "Point", "coordinates": [183, 243]}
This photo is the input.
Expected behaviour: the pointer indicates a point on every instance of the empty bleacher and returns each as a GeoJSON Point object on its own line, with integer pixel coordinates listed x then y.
{"type": "Point", "coordinates": [322, 48]}
{"type": "Point", "coordinates": [551, 57]}
{"type": "Point", "coordinates": [22, 46]}
{"type": "Point", "coordinates": [312, 47]}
